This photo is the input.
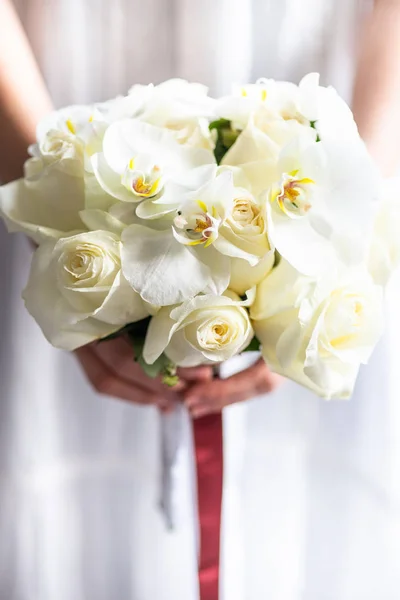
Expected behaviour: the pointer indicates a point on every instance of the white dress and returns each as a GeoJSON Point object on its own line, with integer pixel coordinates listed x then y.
{"type": "Point", "coordinates": [312, 489]}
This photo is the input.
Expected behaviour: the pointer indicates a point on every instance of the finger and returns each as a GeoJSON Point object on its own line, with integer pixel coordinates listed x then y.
{"type": "Point", "coordinates": [214, 396]}
{"type": "Point", "coordinates": [108, 383]}
{"type": "Point", "coordinates": [202, 411]}
{"type": "Point", "coordinates": [118, 355]}
{"type": "Point", "coordinates": [202, 373]}
{"type": "Point", "coordinates": [211, 397]}
{"type": "Point", "coordinates": [167, 408]}
{"type": "Point", "coordinates": [180, 386]}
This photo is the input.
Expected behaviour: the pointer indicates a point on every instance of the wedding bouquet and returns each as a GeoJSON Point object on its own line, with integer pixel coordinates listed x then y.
{"type": "Point", "coordinates": [203, 228]}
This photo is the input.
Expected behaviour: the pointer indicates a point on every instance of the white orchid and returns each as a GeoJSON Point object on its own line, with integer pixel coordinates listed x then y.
{"type": "Point", "coordinates": [200, 216]}
{"type": "Point", "coordinates": [164, 271]}
{"type": "Point", "coordinates": [318, 210]}
{"type": "Point", "coordinates": [140, 161]}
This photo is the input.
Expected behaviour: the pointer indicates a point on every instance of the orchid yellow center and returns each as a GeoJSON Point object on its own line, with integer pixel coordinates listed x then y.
{"type": "Point", "coordinates": [202, 224]}
{"type": "Point", "coordinates": [144, 188]}
{"type": "Point", "coordinates": [70, 126]}
{"type": "Point", "coordinates": [261, 93]}
{"type": "Point", "coordinates": [144, 180]}
{"type": "Point", "coordinates": [198, 227]}
{"type": "Point", "coordinates": [294, 197]}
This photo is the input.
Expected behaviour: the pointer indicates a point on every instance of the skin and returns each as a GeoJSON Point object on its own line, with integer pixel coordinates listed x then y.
{"type": "Point", "coordinates": [109, 365]}
{"type": "Point", "coordinates": [376, 97]}
{"type": "Point", "coordinates": [24, 99]}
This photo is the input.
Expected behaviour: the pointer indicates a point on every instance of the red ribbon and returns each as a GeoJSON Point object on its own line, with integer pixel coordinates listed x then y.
{"type": "Point", "coordinates": [209, 464]}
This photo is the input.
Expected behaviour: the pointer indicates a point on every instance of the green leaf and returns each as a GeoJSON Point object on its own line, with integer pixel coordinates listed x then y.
{"type": "Point", "coordinates": [254, 345]}
{"type": "Point", "coordinates": [162, 367]}
{"type": "Point", "coordinates": [137, 343]}
{"type": "Point", "coordinates": [219, 124]}
{"type": "Point", "coordinates": [219, 151]}
{"type": "Point", "coordinates": [115, 335]}
{"type": "Point", "coordinates": [226, 137]}
{"type": "Point", "coordinates": [156, 369]}
{"type": "Point", "coordinates": [277, 259]}
{"type": "Point", "coordinates": [313, 125]}
{"type": "Point", "coordinates": [139, 329]}
{"type": "Point", "coordinates": [170, 378]}
{"type": "Point", "coordinates": [136, 333]}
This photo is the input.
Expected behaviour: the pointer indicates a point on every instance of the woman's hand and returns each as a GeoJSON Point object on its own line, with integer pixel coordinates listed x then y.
{"type": "Point", "coordinates": [111, 370]}
{"type": "Point", "coordinates": [206, 397]}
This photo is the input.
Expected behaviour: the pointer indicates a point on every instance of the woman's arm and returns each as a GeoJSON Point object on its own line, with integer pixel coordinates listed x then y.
{"type": "Point", "coordinates": [23, 96]}
{"type": "Point", "coordinates": [376, 100]}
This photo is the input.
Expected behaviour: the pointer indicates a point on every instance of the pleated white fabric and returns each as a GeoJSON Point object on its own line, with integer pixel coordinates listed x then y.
{"type": "Point", "coordinates": [311, 500]}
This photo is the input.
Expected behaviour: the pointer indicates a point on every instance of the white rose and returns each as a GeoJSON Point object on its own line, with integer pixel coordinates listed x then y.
{"type": "Point", "coordinates": [205, 329]}
{"type": "Point", "coordinates": [69, 137]}
{"type": "Point", "coordinates": [384, 255]}
{"type": "Point", "coordinates": [174, 104]}
{"type": "Point", "coordinates": [182, 107]}
{"type": "Point", "coordinates": [224, 216]}
{"type": "Point", "coordinates": [246, 228]}
{"type": "Point", "coordinates": [192, 131]}
{"type": "Point", "coordinates": [76, 291]}
{"type": "Point", "coordinates": [244, 276]}
{"type": "Point", "coordinates": [60, 145]}
{"type": "Point", "coordinates": [45, 204]}
{"type": "Point", "coordinates": [317, 333]}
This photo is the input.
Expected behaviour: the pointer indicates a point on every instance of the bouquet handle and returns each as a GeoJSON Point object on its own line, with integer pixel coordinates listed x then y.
{"type": "Point", "coordinates": [208, 448]}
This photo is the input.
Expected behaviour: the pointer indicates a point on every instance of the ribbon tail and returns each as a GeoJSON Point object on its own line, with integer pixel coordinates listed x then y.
{"type": "Point", "coordinates": [171, 439]}
{"type": "Point", "coordinates": [208, 441]}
